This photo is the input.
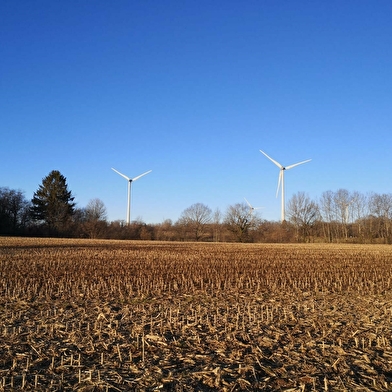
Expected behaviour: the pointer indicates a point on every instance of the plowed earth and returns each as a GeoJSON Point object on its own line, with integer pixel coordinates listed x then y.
{"type": "Point", "coordinates": [78, 315]}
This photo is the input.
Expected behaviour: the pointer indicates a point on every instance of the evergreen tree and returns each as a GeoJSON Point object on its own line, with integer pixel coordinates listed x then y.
{"type": "Point", "coordinates": [52, 203]}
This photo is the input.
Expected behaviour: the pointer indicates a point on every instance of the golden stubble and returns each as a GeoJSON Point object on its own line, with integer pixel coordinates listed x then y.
{"type": "Point", "coordinates": [125, 315]}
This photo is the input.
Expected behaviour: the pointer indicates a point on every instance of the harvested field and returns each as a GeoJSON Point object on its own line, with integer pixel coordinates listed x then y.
{"type": "Point", "coordinates": [91, 315]}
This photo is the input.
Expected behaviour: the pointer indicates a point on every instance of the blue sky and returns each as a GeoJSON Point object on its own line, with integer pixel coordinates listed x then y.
{"type": "Point", "coordinates": [192, 90]}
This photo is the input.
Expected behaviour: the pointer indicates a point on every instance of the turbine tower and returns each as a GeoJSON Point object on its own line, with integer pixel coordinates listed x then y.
{"type": "Point", "coordinates": [130, 180]}
{"type": "Point", "coordinates": [281, 180]}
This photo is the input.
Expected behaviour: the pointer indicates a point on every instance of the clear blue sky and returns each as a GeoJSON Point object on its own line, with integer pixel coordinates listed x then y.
{"type": "Point", "coordinates": [192, 90]}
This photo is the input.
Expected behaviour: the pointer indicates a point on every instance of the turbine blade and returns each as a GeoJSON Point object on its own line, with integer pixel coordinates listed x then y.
{"type": "Point", "coordinates": [250, 205]}
{"type": "Point", "coordinates": [273, 160]}
{"type": "Point", "coordinates": [122, 175]}
{"type": "Point", "coordinates": [141, 175]}
{"type": "Point", "coordinates": [279, 181]}
{"type": "Point", "coordinates": [296, 164]}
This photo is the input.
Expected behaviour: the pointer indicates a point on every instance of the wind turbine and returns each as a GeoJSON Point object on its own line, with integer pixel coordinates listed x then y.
{"type": "Point", "coordinates": [130, 180]}
{"type": "Point", "coordinates": [281, 179]}
{"type": "Point", "coordinates": [251, 208]}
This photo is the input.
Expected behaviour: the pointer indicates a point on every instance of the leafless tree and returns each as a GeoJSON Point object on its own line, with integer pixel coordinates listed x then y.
{"type": "Point", "coordinates": [166, 231]}
{"type": "Point", "coordinates": [381, 209]}
{"type": "Point", "coordinates": [338, 211]}
{"type": "Point", "coordinates": [303, 214]}
{"type": "Point", "coordinates": [195, 219]}
{"type": "Point", "coordinates": [359, 208]}
{"type": "Point", "coordinates": [216, 225]}
{"type": "Point", "coordinates": [96, 210]}
{"type": "Point", "coordinates": [342, 202]}
{"type": "Point", "coordinates": [239, 219]}
{"type": "Point", "coordinates": [95, 218]}
{"type": "Point", "coordinates": [326, 208]}
{"type": "Point", "coordinates": [14, 211]}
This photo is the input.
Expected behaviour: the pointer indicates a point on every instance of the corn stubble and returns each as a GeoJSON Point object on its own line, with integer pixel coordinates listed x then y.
{"type": "Point", "coordinates": [143, 316]}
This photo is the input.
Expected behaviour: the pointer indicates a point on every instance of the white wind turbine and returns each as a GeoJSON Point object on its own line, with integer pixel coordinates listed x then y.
{"type": "Point", "coordinates": [251, 208]}
{"type": "Point", "coordinates": [281, 179]}
{"type": "Point", "coordinates": [130, 180]}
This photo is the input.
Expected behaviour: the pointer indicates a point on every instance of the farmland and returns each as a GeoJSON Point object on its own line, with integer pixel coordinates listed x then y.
{"type": "Point", "coordinates": [92, 315]}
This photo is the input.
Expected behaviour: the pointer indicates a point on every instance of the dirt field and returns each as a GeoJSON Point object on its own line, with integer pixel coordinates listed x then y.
{"type": "Point", "coordinates": [89, 315]}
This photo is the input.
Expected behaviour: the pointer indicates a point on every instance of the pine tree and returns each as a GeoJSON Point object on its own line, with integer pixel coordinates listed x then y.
{"type": "Point", "coordinates": [52, 203]}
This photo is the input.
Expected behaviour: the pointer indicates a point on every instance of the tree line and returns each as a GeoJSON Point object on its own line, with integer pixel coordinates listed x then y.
{"type": "Point", "coordinates": [339, 216]}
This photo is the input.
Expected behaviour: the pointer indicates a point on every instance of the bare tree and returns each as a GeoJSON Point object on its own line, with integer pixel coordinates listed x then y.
{"type": "Point", "coordinates": [166, 231]}
{"type": "Point", "coordinates": [96, 210]}
{"type": "Point", "coordinates": [14, 211]}
{"type": "Point", "coordinates": [381, 209]}
{"type": "Point", "coordinates": [303, 214]}
{"type": "Point", "coordinates": [343, 201]}
{"type": "Point", "coordinates": [95, 223]}
{"type": "Point", "coordinates": [239, 219]}
{"type": "Point", "coordinates": [337, 211]}
{"type": "Point", "coordinates": [195, 220]}
{"type": "Point", "coordinates": [216, 224]}
{"type": "Point", "coordinates": [326, 208]}
{"type": "Point", "coordinates": [359, 208]}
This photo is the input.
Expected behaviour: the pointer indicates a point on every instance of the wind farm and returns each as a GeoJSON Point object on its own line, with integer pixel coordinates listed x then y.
{"type": "Point", "coordinates": [281, 185]}
{"type": "Point", "coordinates": [130, 180]}
{"type": "Point", "coordinates": [282, 169]}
